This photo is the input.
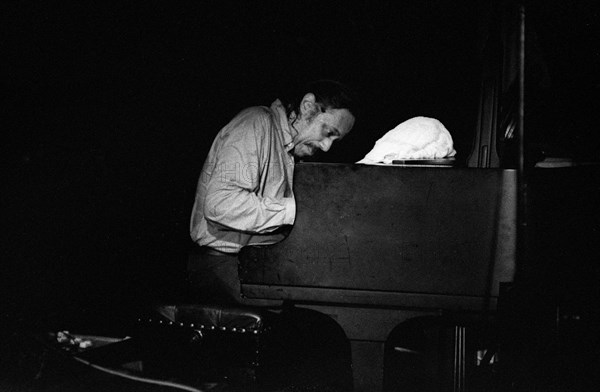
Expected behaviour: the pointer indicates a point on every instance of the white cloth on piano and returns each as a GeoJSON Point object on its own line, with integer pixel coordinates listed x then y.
{"type": "Point", "coordinates": [415, 138]}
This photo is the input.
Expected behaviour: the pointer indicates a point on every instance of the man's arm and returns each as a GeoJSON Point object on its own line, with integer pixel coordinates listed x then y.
{"type": "Point", "coordinates": [233, 192]}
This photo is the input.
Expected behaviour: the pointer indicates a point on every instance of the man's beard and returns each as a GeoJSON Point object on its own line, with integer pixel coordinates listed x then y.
{"type": "Point", "coordinates": [307, 150]}
{"type": "Point", "coordinates": [304, 150]}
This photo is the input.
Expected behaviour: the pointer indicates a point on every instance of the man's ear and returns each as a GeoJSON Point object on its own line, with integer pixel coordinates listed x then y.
{"type": "Point", "coordinates": [308, 104]}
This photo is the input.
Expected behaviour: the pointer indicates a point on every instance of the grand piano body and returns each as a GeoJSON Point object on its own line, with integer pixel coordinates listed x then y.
{"type": "Point", "coordinates": [376, 246]}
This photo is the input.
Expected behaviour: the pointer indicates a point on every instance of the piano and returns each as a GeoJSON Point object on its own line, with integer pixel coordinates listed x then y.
{"type": "Point", "coordinates": [374, 247]}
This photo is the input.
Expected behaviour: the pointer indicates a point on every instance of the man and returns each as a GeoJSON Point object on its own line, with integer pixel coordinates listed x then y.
{"type": "Point", "coordinates": [244, 194]}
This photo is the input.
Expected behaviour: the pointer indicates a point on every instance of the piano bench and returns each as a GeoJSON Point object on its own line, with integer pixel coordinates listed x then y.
{"type": "Point", "coordinates": [248, 348]}
{"type": "Point", "coordinates": [207, 343]}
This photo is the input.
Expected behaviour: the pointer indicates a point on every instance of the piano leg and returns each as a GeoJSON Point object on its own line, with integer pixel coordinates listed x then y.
{"type": "Point", "coordinates": [367, 365]}
{"type": "Point", "coordinates": [367, 330]}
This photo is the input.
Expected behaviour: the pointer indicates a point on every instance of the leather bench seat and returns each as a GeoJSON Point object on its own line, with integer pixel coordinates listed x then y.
{"type": "Point", "coordinates": [199, 343]}
{"type": "Point", "coordinates": [246, 347]}
{"type": "Point", "coordinates": [215, 317]}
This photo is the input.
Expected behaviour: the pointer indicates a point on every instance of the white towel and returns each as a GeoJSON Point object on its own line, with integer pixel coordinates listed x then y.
{"type": "Point", "coordinates": [416, 138]}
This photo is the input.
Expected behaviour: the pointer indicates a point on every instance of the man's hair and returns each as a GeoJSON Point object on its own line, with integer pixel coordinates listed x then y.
{"type": "Point", "coordinates": [329, 94]}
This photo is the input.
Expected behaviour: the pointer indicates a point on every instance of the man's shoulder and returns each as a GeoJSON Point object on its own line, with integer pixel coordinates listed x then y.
{"type": "Point", "coordinates": [256, 112]}
{"type": "Point", "coordinates": [256, 120]}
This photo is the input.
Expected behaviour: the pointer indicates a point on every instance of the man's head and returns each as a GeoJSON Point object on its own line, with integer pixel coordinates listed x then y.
{"type": "Point", "coordinates": [324, 114]}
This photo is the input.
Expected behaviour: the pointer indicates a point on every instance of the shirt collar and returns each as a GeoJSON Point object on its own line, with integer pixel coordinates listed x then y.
{"type": "Point", "coordinates": [287, 132]}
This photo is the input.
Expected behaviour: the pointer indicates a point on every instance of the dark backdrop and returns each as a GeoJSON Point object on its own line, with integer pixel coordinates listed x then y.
{"type": "Point", "coordinates": [112, 107]}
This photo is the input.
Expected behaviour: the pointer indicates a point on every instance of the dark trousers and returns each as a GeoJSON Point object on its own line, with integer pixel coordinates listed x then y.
{"type": "Point", "coordinates": [213, 276]}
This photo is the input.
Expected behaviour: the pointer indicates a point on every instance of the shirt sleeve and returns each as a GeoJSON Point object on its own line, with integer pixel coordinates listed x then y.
{"type": "Point", "coordinates": [233, 192]}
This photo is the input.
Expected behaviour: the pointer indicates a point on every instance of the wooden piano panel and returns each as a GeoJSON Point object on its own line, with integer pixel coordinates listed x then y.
{"type": "Point", "coordinates": [437, 231]}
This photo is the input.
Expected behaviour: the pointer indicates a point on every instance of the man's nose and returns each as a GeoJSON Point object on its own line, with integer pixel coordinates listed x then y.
{"type": "Point", "coordinates": [325, 145]}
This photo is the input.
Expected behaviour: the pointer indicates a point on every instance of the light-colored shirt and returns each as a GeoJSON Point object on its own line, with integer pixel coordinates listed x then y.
{"type": "Point", "coordinates": [244, 192]}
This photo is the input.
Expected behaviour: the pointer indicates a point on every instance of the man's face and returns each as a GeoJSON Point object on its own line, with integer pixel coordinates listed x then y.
{"type": "Point", "coordinates": [318, 130]}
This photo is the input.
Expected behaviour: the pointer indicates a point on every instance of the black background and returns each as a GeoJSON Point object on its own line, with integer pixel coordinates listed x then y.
{"type": "Point", "coordinates": [112, 106]}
